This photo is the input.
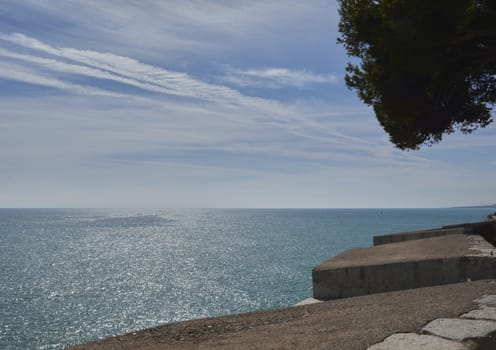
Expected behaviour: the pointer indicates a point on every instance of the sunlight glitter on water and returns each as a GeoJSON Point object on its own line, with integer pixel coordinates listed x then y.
{"type": "Point", "coordinates": [71, 276]}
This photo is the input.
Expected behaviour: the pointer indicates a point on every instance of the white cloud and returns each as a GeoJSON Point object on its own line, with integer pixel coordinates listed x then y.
{"type": "Point", "coordinates": [318, 129]}
{"type": "Point", "coordinates": [19, 73]}
{"type": "Point", "coordinates": [276, 78]}
{"type": "Point", "coordinates": [138, 122]}
{"type": "Point", "coordinates": [63, 67]}
{"type": "Point", "coordinates": [156, 79]}
{"type": "Point", "coordinates": [301, 130]}
{"type": "Point", "coordinates": [182, 28]}
{"type": "Point", "coordinates": [174, 83]}
{"type": "Point", "coordinates": [174, 123]}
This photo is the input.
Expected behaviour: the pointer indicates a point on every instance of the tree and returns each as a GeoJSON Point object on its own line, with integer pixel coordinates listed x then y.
{"type": "Point", "coordinates": [427, 67]}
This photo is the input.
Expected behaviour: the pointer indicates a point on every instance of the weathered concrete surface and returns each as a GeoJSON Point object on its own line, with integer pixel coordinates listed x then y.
{"type": "Point", "coordinates": [404, 265]}
{"type": "Point", "coordinates": [409, 236]}
{"type": "Point", "coordinates": [411, 341]}
{"type": "Point", "coordinates": [480, 247]}
{"type": "Point", "coordinates": [344, 324]}
{"type": "Point", "coordinates": [429, 248]}
{"type": "Point", "coordinates": [460, 329]}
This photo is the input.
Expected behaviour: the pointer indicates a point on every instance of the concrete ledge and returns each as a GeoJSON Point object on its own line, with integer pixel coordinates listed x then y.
{"type": "Point", "coordinates": [484, 228]}
{"type": "Point", "coordinates": [477, 228]}
{"type": "Point", "coordinates": [408, 236]}
{"type": "Point", "coordinates": [404, 265]}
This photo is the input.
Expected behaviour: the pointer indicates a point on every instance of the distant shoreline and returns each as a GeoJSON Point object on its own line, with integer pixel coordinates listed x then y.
{"type": "Point", "coordinates": [475, 206]}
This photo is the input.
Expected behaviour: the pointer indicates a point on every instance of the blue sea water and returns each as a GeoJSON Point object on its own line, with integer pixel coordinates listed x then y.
{"type": "Point", "coordinates": [72, 276]}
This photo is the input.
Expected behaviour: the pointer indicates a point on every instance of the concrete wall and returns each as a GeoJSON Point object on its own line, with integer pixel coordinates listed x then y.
{"type": "Point", "coordinates": [361, 280]}
{"type": "Point", "coordinates": [392, 267]}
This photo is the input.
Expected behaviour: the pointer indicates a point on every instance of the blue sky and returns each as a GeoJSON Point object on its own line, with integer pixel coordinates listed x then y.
{"type": "Point", "coordinates": [204, 104]}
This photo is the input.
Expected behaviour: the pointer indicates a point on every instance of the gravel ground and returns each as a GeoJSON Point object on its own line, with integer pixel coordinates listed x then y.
{"type": "Point", "coordinates": [344, 324]}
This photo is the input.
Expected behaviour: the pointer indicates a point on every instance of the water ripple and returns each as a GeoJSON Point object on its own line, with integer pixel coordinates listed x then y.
{"type": "Point", "coordinates": [71, 276]}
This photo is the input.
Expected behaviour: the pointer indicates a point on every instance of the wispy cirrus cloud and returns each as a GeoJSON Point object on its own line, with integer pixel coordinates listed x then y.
{"type": "Point", "coordinates": [274, 125]}
{"type": "Point", "coordinates": [229, 100]}
{"type": "Point", "coordinates": [84, 70]}
{"type": "Point", "coordinates": [122, 69]}
{"type": "Point", "coordinates": [23, 74]}
{"type": "Point", "coordinates": [276, 78]}
{"type": "Point", "coordinates": [178, 30]}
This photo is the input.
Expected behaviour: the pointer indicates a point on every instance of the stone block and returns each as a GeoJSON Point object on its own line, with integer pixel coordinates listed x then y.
{"type": "Point", "coordinates": [484, 313]}
{"type": "Point", "coordinates": [460, 329]}
{"type": "Point", "coordinates": [487, 300]}
{"type": "Point", "coordinates": [412, 341]}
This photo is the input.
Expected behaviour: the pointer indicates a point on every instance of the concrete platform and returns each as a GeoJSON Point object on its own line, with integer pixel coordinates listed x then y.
{"type": "Point", "coordinates": [409, 264]}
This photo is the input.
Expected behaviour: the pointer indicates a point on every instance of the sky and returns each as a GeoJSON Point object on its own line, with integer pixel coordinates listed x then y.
{"type": "Point", "coordinates": [205, 104]}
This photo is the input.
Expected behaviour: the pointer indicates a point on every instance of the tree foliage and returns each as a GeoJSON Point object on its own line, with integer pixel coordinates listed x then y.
{"type": "Point", "coordinates": [428, 67]}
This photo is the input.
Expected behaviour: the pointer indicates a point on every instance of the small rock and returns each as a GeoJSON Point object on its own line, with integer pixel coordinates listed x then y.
{"type": "Point", "coordinates": [308, 301]}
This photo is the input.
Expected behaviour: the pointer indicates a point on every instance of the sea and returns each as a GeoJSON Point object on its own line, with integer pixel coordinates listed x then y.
{"type": "Point", "coordinates": [69, 276]}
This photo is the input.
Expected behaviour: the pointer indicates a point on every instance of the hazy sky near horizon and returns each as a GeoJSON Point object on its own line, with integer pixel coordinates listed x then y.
{"type": "Point", "coordinates": [204, 104]}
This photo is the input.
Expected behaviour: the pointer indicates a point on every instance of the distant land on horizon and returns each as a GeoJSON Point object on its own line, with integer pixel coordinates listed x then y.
{"type": "Point", "coordinates": [477, 206]}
